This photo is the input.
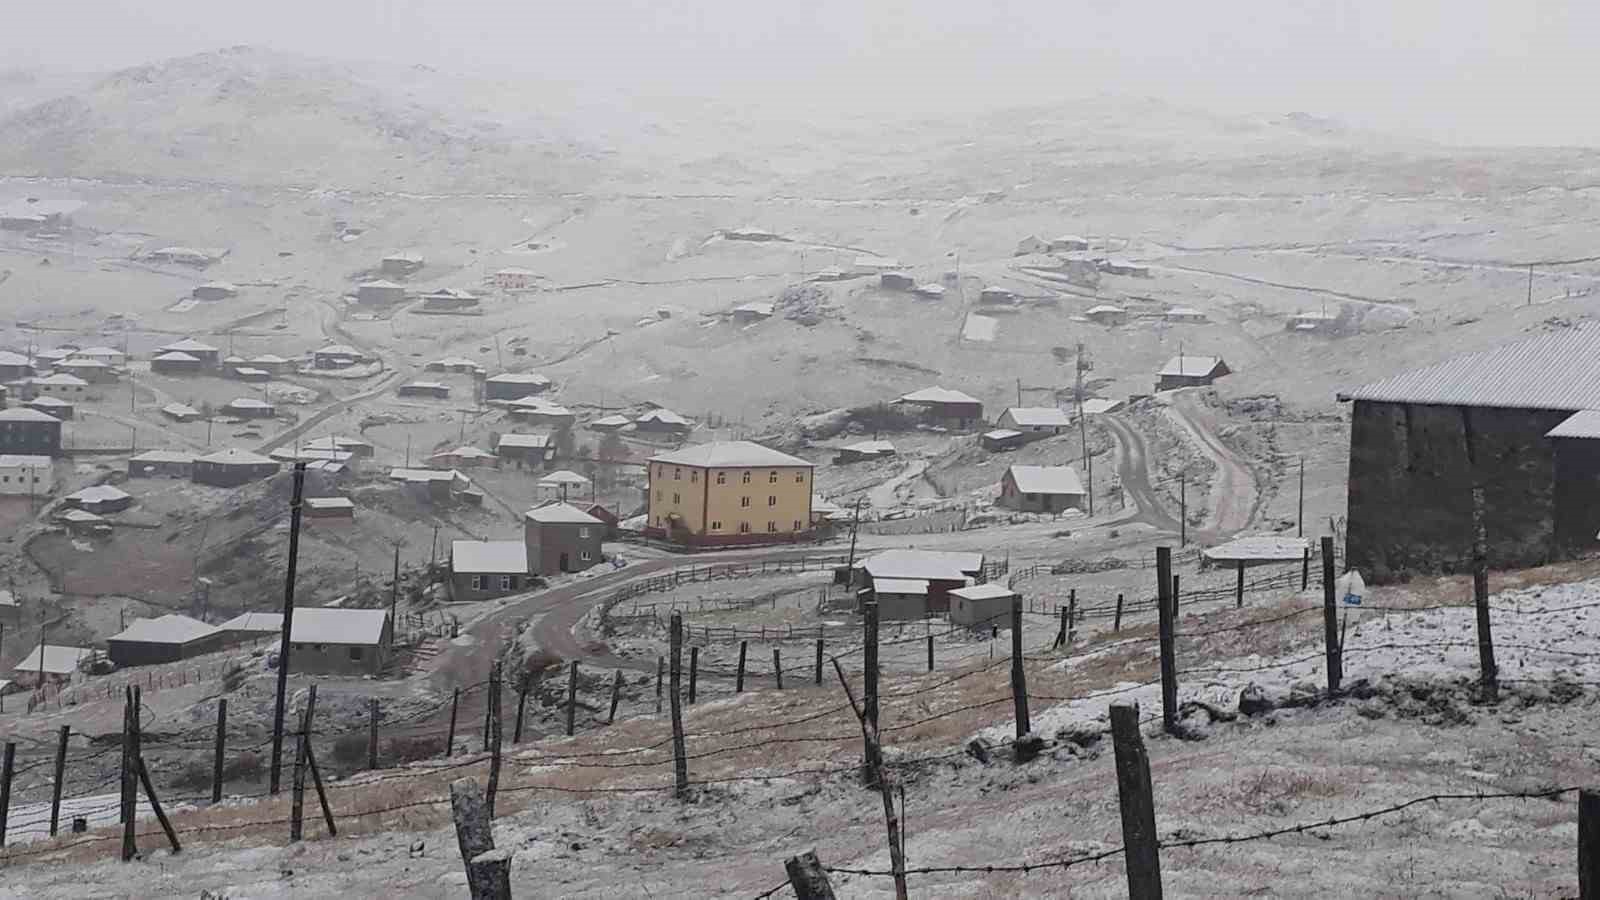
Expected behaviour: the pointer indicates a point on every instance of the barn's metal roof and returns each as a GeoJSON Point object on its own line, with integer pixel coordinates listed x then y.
{"type": "Point", "coordinates": [168, 629]}
{"type": "Point", "coordinates": [1551, 371]}
{"type": "Point", "coordinates": [1046, 480]}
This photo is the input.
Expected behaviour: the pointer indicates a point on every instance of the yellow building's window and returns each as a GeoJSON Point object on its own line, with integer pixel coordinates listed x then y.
{"type": "Point", "coordinates": [772, 527]}
{"type": "Point", "coordinates": [772, 501]}
{"type": "Point", "coordinates": [799, 478]}
{"type": "Point", "coordinates": [772, 478]}
{"type": "Point", "coordinates": [676, 499]}
{"type": "Point", "coordinates": [658, 495]}
{"type": "Point", "coordinates": [694, 476]}
{"type": "Point", "coordinates": [716, 525]}
{"type": "Point", "coordinates": [797, 525]}
{"type": "Point", "coordinates": [747, 478]}
{"type": "Point", "coordinates": [744, 527]}
{"type": "Point", "coordinates": [722, 478]}
{"type": "Point", "coordinates": [744, 501]}
{"type": "Point", "coordinates": [677, 474]}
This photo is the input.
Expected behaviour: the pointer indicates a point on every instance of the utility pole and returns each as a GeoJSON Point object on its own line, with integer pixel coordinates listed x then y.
{"type": "Point", "coordinates": [1183, 510]}
{"type": "Point", "coordinates": [1530, 284]}
{"type": "Point", "coordinates": [1083, 425]}
{"type": "Point", "coordinates": [285, 643]}
{"type": "Point", "coordinates": [1019, 391]}
{"type": "Point", "coordinates": [855, 522]}
{"type": "Point", "coordinates": [394, 586]}
{"type": "Point", "coordinates": [1300, 518]}
{"type": "Point", "coordinates": [408, 449]}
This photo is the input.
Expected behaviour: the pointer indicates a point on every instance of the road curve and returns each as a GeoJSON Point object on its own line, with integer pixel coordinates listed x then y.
{"type": "Point", "coordinates": [1134, 473]}
{"type": "Point", "coordinates": [1233, 497]}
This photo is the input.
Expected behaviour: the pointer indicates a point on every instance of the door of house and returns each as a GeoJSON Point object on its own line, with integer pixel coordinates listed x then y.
{"type": "Point", "coordinates": [565, 565]}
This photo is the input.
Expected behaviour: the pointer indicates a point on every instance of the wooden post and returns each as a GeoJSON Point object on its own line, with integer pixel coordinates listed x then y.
{"type": "Point", "coordinates": [450, 737]}
{"type": "Point", "coordinates": [216, 759]}
{"type": "Point", "coordinates": [130, 787]}
{"type": "Point", "coordinates": [1072, 614]}
{"type": "Point", "coordinates": [522, 708]}
{"type": "Point", "coordinates": [572, 696]}
{"type": "Point", "coordinates": [1019, 675]}
{"type": "Point", "coordinates": [488, 871]}
{"type": "Point", "coordinates": [819, 655]}
{"type": "Point", "coordinates": [494, 742]}
{"type": "Point", "coordinates": [777, 666]}
{"type": "Point", "coordinates": [372, 734]}
{"type": "Point", "coordinates": [1061, 629]}
{"type": "Point", "coordinates": [930, 653]}
{"type": "Point", "coordinates": [1238, 591]}
{"type": "Point", "coordinates": [1175, 596]}
{"type": "Point", "coordinates": [1305, 570]}
{"type": "Point", "coordinates": [1116, 623]}
{"type": "Point", "coordinates": [807, 877]}
{"type": "Point", "coordinates": [7, 769]}
{"type": "Point", "coordinates": [694, 672]}
{"type": "Point", "coordinates": [738, 678]}
{"type": "Point", "coordinates": [1330, 619]}
{"type": "Point", "coordinates": [322, 795]}
{"type": "Point", "coordinates": [871, 762]}
{"type": "Point", "coordinates": [155, 806]}
{"type": "Point", "coordinates": [1169, 664]}
{"type": "Point", "coordinates": [285, 645]}
{"type": "Point", "coordinates": [661, 664]}
{"type": "Point", "coordinates": [61, 767]}
{"type": "Point", "coordinates": [1589, 844]}
{"type": "Point", "coordinates": [869, 734]}
{"type": "Point", "coordinates": [616, 697]}
{"type": "Point", "coordinates": [297, 804]}
{"type": "Point", "coordinates": [680, 764]}
{"type": "Point", "coordinates": [1140, 848]}
{"type": "Point", "coordinates": [1489, 672]}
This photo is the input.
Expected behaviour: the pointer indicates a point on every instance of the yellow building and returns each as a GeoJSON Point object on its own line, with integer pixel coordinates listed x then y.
{"type": "Point", "coordinates": [729, 492]}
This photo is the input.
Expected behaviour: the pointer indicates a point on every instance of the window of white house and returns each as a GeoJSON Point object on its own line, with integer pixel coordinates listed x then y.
{"type": "Point", "coordinates": [722, 478]}
{"type": "Point", "coordinates": [477, 582]}
{"type": "Point", "coordinates": [506, 581]}
{"type": "Point", "coordinates": [747, 478]}
{"type": "Point", "coordinates": [583, 532]}
{"type": "Point", "coordinates": [716, 525]}
{"type": "Point", "coordinates": [744, 527]}
{"type": "Point", "coordinates": [772, 478]}
{"type": "Point", "coordinates": [744, 501]}
{"type": "Point", "coordinates": [772, 501]}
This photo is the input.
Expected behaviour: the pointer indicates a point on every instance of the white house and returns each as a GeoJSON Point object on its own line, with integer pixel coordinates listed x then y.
{"type": "Point", "coordinates": [26, 476]}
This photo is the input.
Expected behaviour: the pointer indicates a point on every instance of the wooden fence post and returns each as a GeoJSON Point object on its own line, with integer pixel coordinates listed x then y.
{"type": "Point", "coordinates": [877, 777]}
{"type": "Point", "coordinates": [1061, 629]}
{"type": "Point", "coordinates": [1116, 623]}
{"type": "Point", "coordinates": [616, 697]}
{"type": "Point", "coordinates": [807, 877]}
{"type": "Point", "coordinates": [572, 696]}
{"type": "Point", "coordinates": [7, 770]}
{"type": "Point", "coordinates": [1305, 569]}
{"type": "Point", "coordinates": [297, 805]}
{"type": "Point", "coordinates": [1019, 675]}
{"type": "Point", "coordinates": [1589, 844]}
{"type": "Point", "coordinates": [819, 655]}
{"type": "Point", "coordinates": [129, 778]}
{"type": "Point", "coordinates": [1140, 848]}
{"type": "Point", "coordinates": [522, 708]}
{"type": "Point", "coordinates": [871, 761]}
{"type": "Point", "coordinates": [450, 738]}
{"type": "Point", "coordinates": [61, 767]}
{"type": "Point", "coordinates": [322, 794]}
{"type": "Point", "coordinates": [494, 742]}
{"type": "Point", "coordinates": [372, 734]}
{"type": "Point", "coordinates": [1072, 615]}
{"type": "Point", "coordinates": [1330, 619]}
{"type": "Point", "coordinates": [488, 870]}
{"type": "Point", "coordinates": [738, 678]}
{"type": "Point", "coordinates": [680, 764]}
{"type": "Point", "coordinates": [1169, 665]}
{"type": "Point", "coordinates": [694, 672]}
{"type": "Point", "coordinates": [777, 666]}
{"type": "Point", "coordinates": [661, 664]}
{"type": "Point", "coordinates": [1175, 596]}
{"type": "Point", "coordinates": [216, 760]}
{"type": "Point", "coordinates": [1238, 594]}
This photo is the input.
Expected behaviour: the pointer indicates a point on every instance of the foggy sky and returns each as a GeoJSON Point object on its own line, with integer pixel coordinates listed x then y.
{"type": "Point", "coordinates": [1459, 71]}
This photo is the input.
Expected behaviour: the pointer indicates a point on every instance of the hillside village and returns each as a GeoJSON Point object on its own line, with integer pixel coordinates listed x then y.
{"type": "Point", "coordinates": [501, 443]}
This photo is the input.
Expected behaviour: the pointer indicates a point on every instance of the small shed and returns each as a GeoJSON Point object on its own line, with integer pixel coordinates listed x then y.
{"type": "Point", "coordinates": [929, 291]}
{"type": "Point", "coordinates": [162, 640]}
{"type": "Point", "coordinates": [483, 570]}
{"type": "Point", "coordinates": [250, 374]}
{"type": "Point", "coordinates": [176, 362]}
{"type": "Point", "coordinates": [1106, 314]}
{"type": "Point", "coordinates": [463, 458]}
{"type": "Point", "coordinates": [356, 447]}
{"type": "Point", "coordinates": [896, 281]}
{"type": "Point", "coordinates": [1190, 371]}
{"type": "Point", "coordinates": [513, 278]}
{"type": "Point", "coordinates": [401, 264]}
{"type": "Point", "coordinates": [54, 662]}
{"type": "Point", "coordinates": [981, 606]}
{"type": "Point", "coordinates": [249, 408]}
{"type": "Point", "coordinates": [330, 508]}
{"type": "Point", "coordinates": [863, 451]}
{"type": "Point", "coordinates": [752, 312]}
{"type": "Point", "coordinates": [430, 389]}
{"type": "Point", "coordinates": [1035, 420]}
{"type": "Point", "coordinates": [81, 523]}
{"type": "Point", "coordinates": [525, 449]}
{"type": "Point", "coordinates": [55, 407]}
{"type": "Point", "coordinates": [251, 627]}
{"type": "Point", "coordinates": [380, 293]}
{"type": "Point", "coordinates": [900, 599]}
{"type": "Point", "coordinates": [151, 463]}
{"type": "Point", "coordinates": [99, 498]}
{"type": "Point", "coordinates": [514, 385]}
{"type": "Point", "coordinates": [997, 295]}
{"type": "Point", "coordinates": [337, 356]}
{"type": "Point", "coordinates": [179, 412]}
{"type": "Point", "coordinates": [1002, 439]}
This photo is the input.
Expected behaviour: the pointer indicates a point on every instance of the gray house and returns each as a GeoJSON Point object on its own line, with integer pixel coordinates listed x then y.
{"type": "Point", "coordinates": [483, 570]}
{"type": "Point", "coordinates": [561, 538]}
{"type": "Point", "coordinates": [340, 641]}
{"type": "Point", "coordinates": [162, 640]}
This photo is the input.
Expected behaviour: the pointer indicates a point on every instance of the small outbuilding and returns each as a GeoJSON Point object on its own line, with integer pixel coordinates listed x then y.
{"type": "Point", "coordinates": [863, 451]}
{"type": "Point", "coordinates": [662, 421]}
{"type": "Point", "coordinates": [401, 264]}
{"type": "Point", "coordinates": [169, 638]}
{"type": "Point", "coordinates": [100, 499]}
{"type": "Point", "coordinates": [1041, 489]}
{"type": "Point", "coordinates": [1190, 371]}
{"type": "Point", "coordinates": [169, 463]}
{"type": "Point", "coordinates": [1106, 314]}
{"type": "Point", "coordinates": [463, 458]}
{"type": "Point", "coordinates": [179, 412]}
{"type": "Point", "coordinates": [232, 468]}
{"type": "Point", "coordinates": [54, 662]}
{"type": "Point", "coordinates": [950, 407]}
{"type": "Point", "coordinates": [380, 293]}
{"type": "Point", "coordinates": [1035, 421]}
{"type": "Point", "coordinates": [526, 450]}
{"type": "Point", "coordinates": [432, 390]}
{"type": "Point", "coordinates": [534, 411]}
{"type": "Point", "coordinates": [1002, 439]}
{"type": "Point", "coordinates": [981, 606]}
{"type": "Point", "coordinates": [337, 356]}
{"type": "Point", "coordinates": [176, 362]}
{"type": "Point", "coordinates": [332, 641]}
{"type": "Point", "coordinates": [513, 278]}
{"type": "Point", "coordinates": [251, 628]}
{"type": "Point", "coordinates": [514, 385]}
{"type": "Point", "coordinates": [610, 424]}
{"type": "Point", "coordinates": [1184, 315]}
{"type": "Point", "coordinates": [249, 408]}
{"type": "Point", "coordinates": [330, 508]}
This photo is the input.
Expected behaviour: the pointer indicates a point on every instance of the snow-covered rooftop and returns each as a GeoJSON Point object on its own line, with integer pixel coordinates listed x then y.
{"type": "Point", "coordinates": [168, 629]}
{"type": "Point", "coordinates": [1055, 480]}
{"type": "Point", "coordinates": [729, 454]}
{"type": "Point", "coordinates": [489, 557]}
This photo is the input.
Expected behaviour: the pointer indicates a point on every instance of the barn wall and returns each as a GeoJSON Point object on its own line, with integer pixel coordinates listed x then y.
{"type": "Point", "coordinates": [1410, 493]}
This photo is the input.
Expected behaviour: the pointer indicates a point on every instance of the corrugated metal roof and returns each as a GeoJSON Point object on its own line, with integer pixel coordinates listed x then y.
{"type": "Point", "coordinates": [489, 557]}
{"type": "Point", "coordinates": [1046, 479]}
{"type": "Point", "coordinates": [176, 356]}
{"type": "Point", "coordinates": [1038, 416]}
{"type": "Point", "coordinates": [254, 621]}
{"type": "Point", "coordinates": [937, 394]}
{"type": "Point", "coordinates": [1551, 371]}
{"type": "Point", "coordinates": [233, 456]}
{"type": "Point", "coordinates": [564, 476]}
{"type": "Point", "coordinates": [982, 592]}
{"type": "Point", "coordinates": [664, 416]}
{"type": "Point", "coordinates": [330, 503]}
{"type": "Point", "coordinates": [1190, 365]}
{"type": "Point", "coordinates": [1581, 424]}
{"type": "Point", "coordinates": [188, 345]}
{"type": "Point", "coordinates": [168, 629]}
{"type": "Point", "coordinates": [925, 564]}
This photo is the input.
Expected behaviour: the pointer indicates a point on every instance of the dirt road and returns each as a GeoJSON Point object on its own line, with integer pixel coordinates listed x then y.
{"type": "Point", "coordinates": [1134, 473]}
{"type": "Point", "coordinates": [1233, 494]}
